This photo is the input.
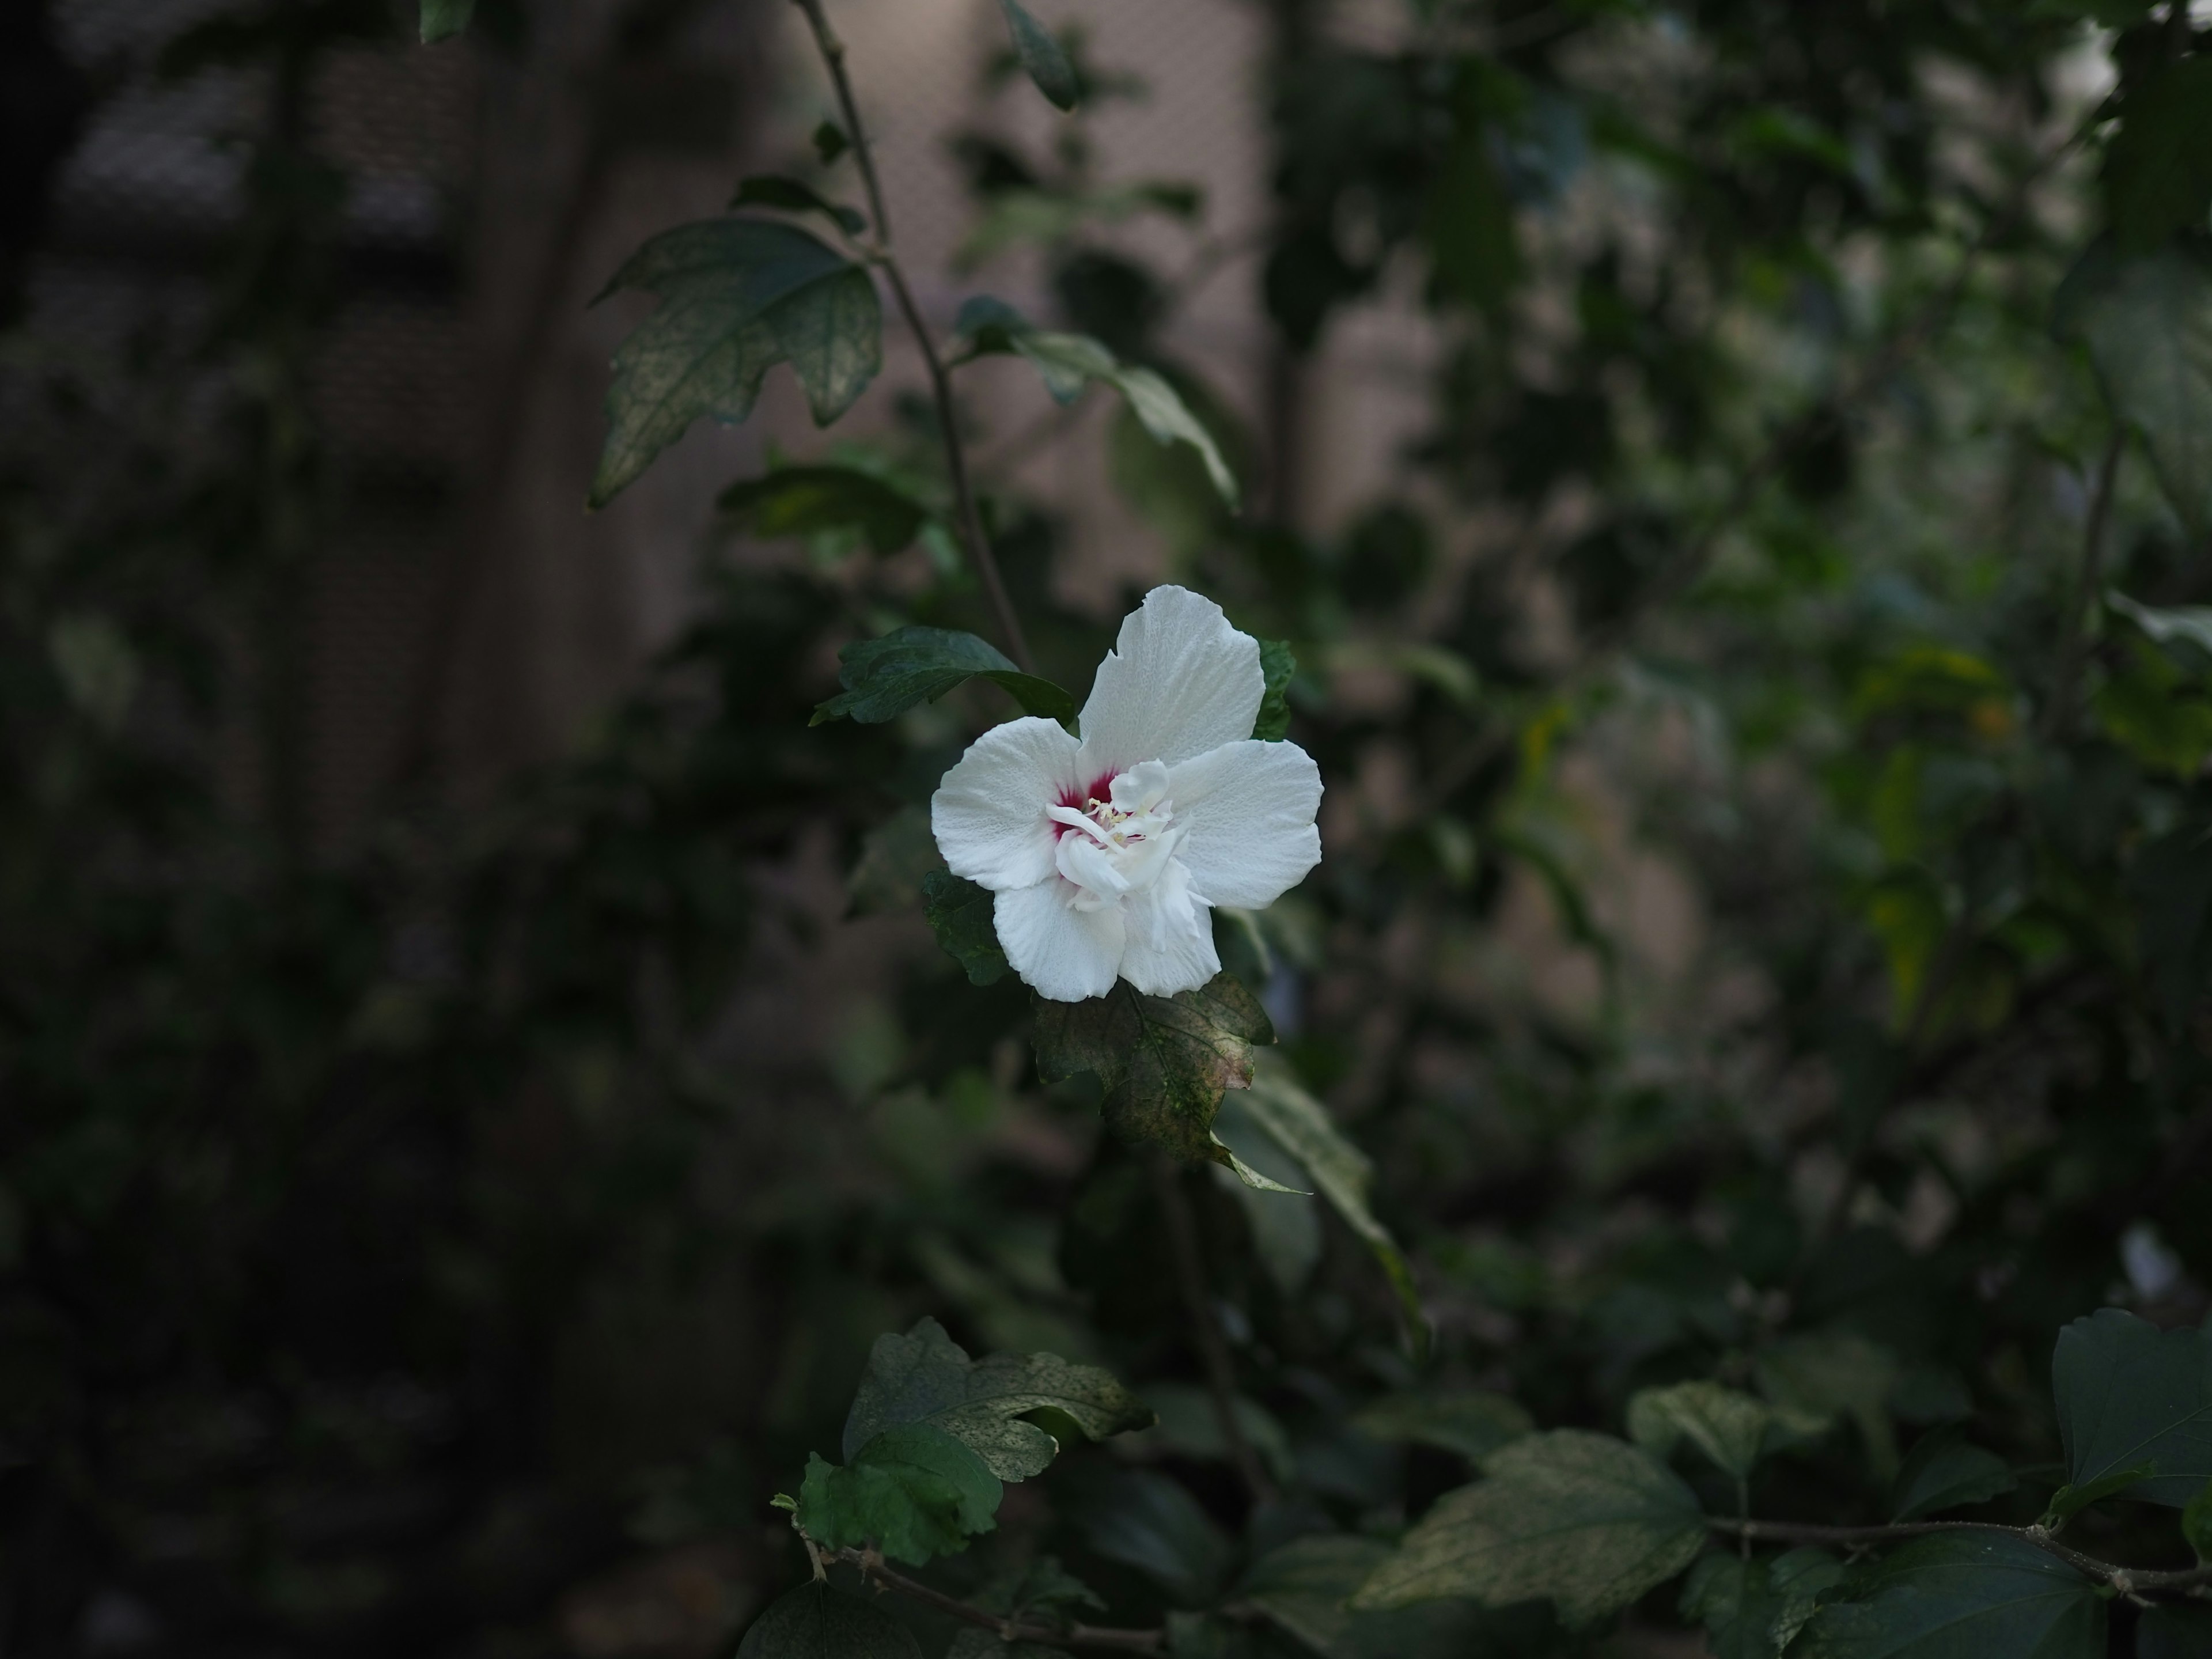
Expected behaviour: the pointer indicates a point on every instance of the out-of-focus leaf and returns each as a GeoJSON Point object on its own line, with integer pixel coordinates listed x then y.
{"type": "Point", "coordinates": [2158, 167]}
{"type": "Point", "coordinates": [805, 500]}
{"type": "Point", "coordinates": [1190, 1423]}
{"type": "Point", "coordinates": [884, 678]}
{"type": "Point", "coordinates": [1041, 56]}
{"type": "Point", "coordinates": [1752, 1608]}
{"type": "Point", "coordinates": [1286, 1225]}
{"type": "Point", "coordinates": [1042, 218]}
{"type": "Point", "coordinates": [897, 857]}
{"type": "Point", "coordinates": [1143, 1520]}
{"type": "Point", "coordinates": [443, 18]}
{"type": "Point", "coordinates": [2197, 1522]}
{"type": "Point", "coordinates": [1469, 215]}
{"type": "Point", "coordinates": [2129, 1394]}
{"type": "Point", "coordinates": [817, 1622]}
{"type": "Point", "coordinates": [2192, 622]}
{"type": "Point", "coordinates": [1961, 1594]}
{"type": "Point", "coordinates": [1942, 1473]}
{"type": "Point", "coordinates": [1590, 1521]}
{"type": "Point", "coordinates": [961, 914]}
{"type": "Point", "coordinates": [2156, 712]}
{"type": "Point", "coordinates": [1302, 1587]}
{"type": "Point", "coordinates": [1726, 1426]}
{"type": "Point", "coordinates": [914, 1489]}
{"type": "Point", "coordinates": [737, 296]}
{"type": "Point", "coordinates": [774, 190]}
{"type": "Point", "coordinates": [1471, 1422]}
{"type": "Point", "coordinates": [1164, 1061]}
{"type": "Point", "coordinates": [1280, 665]}
{"type": "Point", "coordinates": [1814, 1378]}
{"type": "Point", "coordinates": [830, 141]}
{"type": "Point", "coordinates": [2169, 1631]}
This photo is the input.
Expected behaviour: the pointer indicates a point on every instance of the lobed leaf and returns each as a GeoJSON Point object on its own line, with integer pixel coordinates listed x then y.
{"type": "Point", "coordinates": [961, 915]}
{"type": "Point", "coordinates": [1942, 1473]}
{"type": "Point", "coordinates": [884, 678]}
{"type": "Point", "coordinates": [2130, 1394]}
{"type": "Point", "coordinates": [1164, 1062]}
{"type": "Point", "coordinates": [806, 500]}
{"type": "Point", "coordinates": [1727, 1426]}
{"type": "Point", "coordinates": [737, 296]}
{"type": "Point", "coordinates": [1042, 57]}
{"type": "Point", "coordinates": [817, 1622]}
{"type": "Point", "coordinates": [915, 1490]}
{"type": "Point", "coordinates": [1955, 1597]}
{"type": "Point", "coordinates": [1590, 1521]}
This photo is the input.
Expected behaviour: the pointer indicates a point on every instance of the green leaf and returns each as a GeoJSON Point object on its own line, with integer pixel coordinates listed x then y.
{"type": "Point", "coordinates": [961, 914]}
{"type": "Point", "coordinates": [983, 1644]}
{"type": "Point", "coordinates": [774, 190]}
{"type": "Point", "coordinates": [1959, 1595]}
{"type": "Point", "coordinates": [807, 501]}
{"type": "Point", "coordinates": [2129, 1394]}
{"type": "Point", "coordinates": [1280, 665]}
{"type": "Point", "coordinates": [1167, 484]}
{"type": "Point", "coordinates": [1041, 56]}
{"type": "Point", "coordinates": [737, 296]}
{"type": "Point", "coordinates": [2197, 1522]}
{"type": "Point", "coordinates": [1302, 1586]}
{"type": "Point", "coordinates": [925, 1377]}
{"type": "Point", "coordinates": [2166, 624]}
{"type": "Point", "coordinates": [1470, 1421]}
{"type": "Point", "coordinates": [1469, 215]}
{"type": "Point", "coordinates": [1814, 1378]}
{"type": "Point", "coordinates": [884, 678]}
{"type": "Point", "coordinates": [914, 1489]}
{"type": "Point", "coordinates": [1752, 1608]}
{"type": "Point", "coordinates": [443, 18]}
{"type": "Point", "coordinates": [1286, 1226]}
{"type": "Point", "coordinates": [2164, 1631]}
{"type": "Point", "coordinates": [1797, 1578]}
{"type": "Point", "coordinates": [1587, 1521]}
{"type": "Point", "coordinates": [1142, 1519]}
{"type": "Point", "coordinates": [2148, 321]}
{"type": "Point", "coordinates": [1726, 1426]}
{"type": "Point", "coordinates": [1942, 1473]}
{"type": "Point", "coordinates": [817, 1622]}
{"type": "Point", "coordinates": [2069, 1501]}
{"type": "Point", "coordinates": [830, 141]}
{"type": "Point", "coordinates": [1340, 1172]}
{"type": "Point", "coordinates": [1047, 218]}
{"type": "Point", "coordinates": [1164, 1061]}
{"type": "Point", "coordinates": [2158, 167]}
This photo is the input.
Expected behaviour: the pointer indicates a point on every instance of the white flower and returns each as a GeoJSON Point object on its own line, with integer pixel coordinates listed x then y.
{"type": "Point", "coordinates": [1106, 854]}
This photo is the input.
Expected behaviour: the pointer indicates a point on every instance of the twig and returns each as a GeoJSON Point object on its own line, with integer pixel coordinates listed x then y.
{"type": "Point", "coordinates": [971, 521]}
{"type": "Point", "coordinates": [1206, 1330]}
{"type": "Point", "coordinates": [1105, 1638]}
{"type": "Point", "coordinates": [2127, 1580]}
{"type": "Point", "coordinates": [2060, 709]}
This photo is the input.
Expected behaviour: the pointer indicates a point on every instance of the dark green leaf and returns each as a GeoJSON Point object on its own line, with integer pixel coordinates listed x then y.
{"type": "Point", "coordinates": [1814, 1378]}
{"type": "Point", "coordinates": [1468, 1421]}
{"type": "Point", "coordinates": [2158, 167]}
{"type": "Point", "coordinates": [2197, 1522]}
{"type": "Point", "coordinates": [1280, 665]}
{"type": "Point", "coordinates": [443, 18]}
{"type": "Point", "coordinates": [1942, 1473]}
{"type": "Point", "coordinates": [1041, 56]}
{"type": "Point", "coordinates": [1304, 1585]}
{"type": "Point", "coordinates": [805, 500]}
{"type": "Point", "coordinates": [961, 914]}
{"type": "Point", "coordinates": [2129, 1394]}
{"type": "Point", "coordinates": [2173, 1632]}
{"type": "Point", "coordinates": [884, 678]}
{"type": "Point", "coordinates": [774, 190]}
{"type": "Point", "coordinates": [2069, 1501]}
{"type": "Point", "coordinates": [925, 1377]}
{"type": "Point", "coordinates": [1164, 1061]}
{"type": "Point", "coordinates": [1959, 1596]}
{"type": "Point", "coordinates": [1752, 1608]}
{"type": "Point", "coordinates": [1143, 1520]}
{"type": "Point", "coordinates": [1587, 1521]}
{"type": "Point", "coordinates": [830, 141]}
{"type": "Point", "coordinates": [1726, 1426]}
{"type": "Point", "coordinates": [1283, 1218]}
{"type": "Point", "coordinates": [1167, 484]}
{"type": "Point", "coordinates": [737, 296]}
{"type": "Point", "coordinates": [914, 1489]}
{"type": "Point", "coordinates": [1469, 217]}
{"type": "Point", "coordinates": [984, 1644]}
{"type": "Point", "coordinates": [817, 1622]}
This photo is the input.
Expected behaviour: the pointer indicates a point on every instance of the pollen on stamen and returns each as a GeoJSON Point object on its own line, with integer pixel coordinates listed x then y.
{"type": "Point", "coordinates": [1089, 798]}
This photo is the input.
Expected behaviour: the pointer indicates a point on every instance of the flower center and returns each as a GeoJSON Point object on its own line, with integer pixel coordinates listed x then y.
{"type": "Point", "coordinates": [1118, 843]}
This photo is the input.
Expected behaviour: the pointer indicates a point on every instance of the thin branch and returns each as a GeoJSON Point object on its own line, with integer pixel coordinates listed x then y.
{"type": "Point", "coordinates": [2060, 710]}
{"type": "Point", "coordinates": [1104, 1638]}
{"type": "Point", "coordinates": [971, 521]}
{"type": "Point", "coordinates": [2126, 1580]}
{"type": "Point", "coordinates": [1206, 1329]}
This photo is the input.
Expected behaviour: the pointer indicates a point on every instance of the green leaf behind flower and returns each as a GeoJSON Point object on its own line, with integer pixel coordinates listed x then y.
{"type": "Point", "coordinates": [884, 678]}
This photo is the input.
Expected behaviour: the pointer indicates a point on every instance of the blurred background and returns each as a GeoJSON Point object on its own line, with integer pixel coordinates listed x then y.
{"type": "Point", "coordinates": [473, 1077]}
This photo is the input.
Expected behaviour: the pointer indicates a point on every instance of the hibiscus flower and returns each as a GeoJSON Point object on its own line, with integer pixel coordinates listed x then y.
{"type": "Point", "coordinates": [1105, 854]}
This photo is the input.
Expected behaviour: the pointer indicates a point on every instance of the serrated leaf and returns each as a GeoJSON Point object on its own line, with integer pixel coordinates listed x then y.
{"type": "Point", "coordinates": [925, 1376]}
{"type": "Point", "coordinates": [1942, 1473]}
{"type": "Point", "coordinates": [1280, 665]}
{"type": "Point", "coordinates": [1955, 1597]}
{"type": "Point", "coordinates": [806, 500]}
{"type": "Point", "coordinates": [737, 296]}
{"type": "Point", "coordinates": [914, 1489]}
{"type": "Point", "coordinates": [2148, 322]}
{"type": "Point", "coordinates": [1726, 1426]}
{"type": "Point", "coordinates": [1470, 1421]}
{"type": "Point", "coordinates": [1041, 56]}
{"type": "Point", "coordinates": [775, 190]}
{"type": "Point", "coordinates": [1340, 1172]}
{"type": "Point", "coordinates": [1164, 1062]}
{"type": "Point", "coordinates": [2158, 167]}
{"type": "Point", "coordinates": [443, 18]}
{"type": "Point", "coordinates": [1587, 1521]}
{"type": "Point", "coordinates": [817, 1622]}
{"type": "Point", "coordinates": [2128, 1393]}
{"type": "Point", "coordinates": [961, 915]}
{"type": "Point", "coordinates": [884, 678]}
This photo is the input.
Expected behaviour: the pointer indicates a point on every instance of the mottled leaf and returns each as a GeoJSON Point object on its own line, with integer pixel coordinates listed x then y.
{"type": "Point", "coordinates": [884, 678]}
{"type": "Point", "coordinates": [737, 297]}
{"type": "Point", "coordinates": [805, 500]}
{"type": "Point", "coordinates": [1164, 1062]}
{"type": "Point", "coordinates": [1041, 56]}
{"type": "Point", "coordinates": [817, 1622]}
{"type": "Point", "coordinates": [774, 190]}
{"type": "Point", "coordinates": [2129, 1394]}
{"type": "Point", "coordinates": [1280, 665]}
{"type": "Point", "coordinates": [1942, 1473]}
{"type": "Point", "coordinates": [960, 914]}
{"type": "Point", "coordinates": [1590, 1521]}
{"type": "Point", "coordinates": [914, 1489]}
{"type": "Point", "coordinates": [1959, 1595]}
{"type": "Point", "coordinates": [1470, 1421]}
{"type": "Point", "coordinates": [443, 18]}
{"type": "Point", "coordinates": [1723, 1424]}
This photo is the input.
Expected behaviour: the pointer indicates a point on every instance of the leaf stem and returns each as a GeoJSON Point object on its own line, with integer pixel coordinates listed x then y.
{"type": "Point", "coordinates": [1104, 1638]}
{"type": "Point", "coordinates": [2127, 1580]}
{"type": "Point", "coordinates": [940, 381]}
{"type": "Point", "coordinates": [2071, 646]}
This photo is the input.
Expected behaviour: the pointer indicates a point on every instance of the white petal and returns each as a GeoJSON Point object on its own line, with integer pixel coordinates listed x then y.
{"type": "Point", "coordinates": [1169, 944]}
{"type": "Point", "coordinates": [1062, 953]}
{"type": "Point", "coordinates": [1247, 809]}
{"type": "Point", "coordinates": [989, 811]}
{"type": "Point", "coordinates": [1180, 681]}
